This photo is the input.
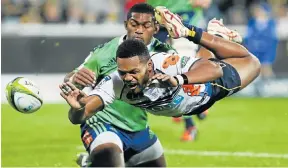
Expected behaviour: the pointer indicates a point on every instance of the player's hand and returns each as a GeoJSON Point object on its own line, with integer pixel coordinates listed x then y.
{"type": "Point", "coordinates": [172, 22]}
{"type": "Point", "coordinates": [72, 95]}
{"type": "Point", "coordinates": [84, 77]}
{"type": "Point", "coordinates": [201, 3]}
{"type": "Point", "coordinates": [162, 81]}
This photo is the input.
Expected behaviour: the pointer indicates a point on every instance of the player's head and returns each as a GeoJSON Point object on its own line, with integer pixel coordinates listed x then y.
{"type": "Point", "coordinates": [134, 64]}
{"type": "Point", "coordinates": [141, 23]}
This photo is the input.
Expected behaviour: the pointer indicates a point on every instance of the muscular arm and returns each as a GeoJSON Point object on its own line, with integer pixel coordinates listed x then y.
{"type": "Point", "coordinates": [204, 71]}
{"type": "Point", "coordinates": [93, 104]}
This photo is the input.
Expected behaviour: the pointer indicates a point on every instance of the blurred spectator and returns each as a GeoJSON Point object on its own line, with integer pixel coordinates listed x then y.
{"type": "Point", "coordinates": [261, 37]}
{"type": "Point", "coordinates": [74, 11]}
{"type": "Point", "coordinates": [32, 16]}
{"type": "Point", "coordinates": [52, 11]}
{"type": "Point", "coordinates": [113, 11]}
{"type": "Point", "coordinates": [12, 10]}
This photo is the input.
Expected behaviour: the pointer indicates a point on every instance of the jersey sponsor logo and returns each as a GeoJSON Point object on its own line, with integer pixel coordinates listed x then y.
{"type": "Point", "coordinates": [168, 106]}
{"type": "Point", "coordinates": [151, 134]}
{"type": "Point", "coordinates": [98, 47]}
{"type": "Point", "coordinates": [184, 61]}
{"type": "Point", "coordinates": [87, 138]}
{"type": "Point", "coordinates": [103, 81]}
{"type": "Point", "coordinates": [112, 62]}
{"type": "Point", "coordinates": [169, 61]}
{"type": "Point", "coordinates": [107, 67]}
{"type": "Point", "coordinates": [191, 90]}
{"type": "Point", "coordinates": [177, 101]}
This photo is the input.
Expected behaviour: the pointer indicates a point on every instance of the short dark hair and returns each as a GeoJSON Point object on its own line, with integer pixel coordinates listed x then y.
{"type": "Point", "coordinates": [131, 48]}
{"type": "Point", "coordinates": [141, 8]}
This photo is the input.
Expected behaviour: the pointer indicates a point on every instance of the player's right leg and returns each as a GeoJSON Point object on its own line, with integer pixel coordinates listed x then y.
{"type": "Point", "coordinates": [247, 66]}
{"type": "Point", "coordinates": [104, 146]}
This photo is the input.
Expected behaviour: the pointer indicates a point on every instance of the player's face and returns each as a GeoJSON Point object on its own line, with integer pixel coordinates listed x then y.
{"type": "Point", "coordinates": [141, 26]}
{"type": "Point", "coordinates": [134, 73]}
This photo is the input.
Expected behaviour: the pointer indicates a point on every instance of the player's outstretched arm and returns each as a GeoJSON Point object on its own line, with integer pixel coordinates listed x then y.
{"type": "Point", "coordinates": [201, 71]}
{"type": "Point", "coordinates": [93, 104]}
{"type": "Point", "coordinates": [82, 106]}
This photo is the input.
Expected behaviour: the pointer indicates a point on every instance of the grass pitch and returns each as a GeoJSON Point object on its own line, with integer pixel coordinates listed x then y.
{"type": "Point", "coordinates": [47, 139]}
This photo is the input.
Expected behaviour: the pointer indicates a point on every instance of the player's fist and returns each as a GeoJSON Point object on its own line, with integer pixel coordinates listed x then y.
{"type": "Point", "coordinates": [162, 81]}
{"type": "Point", "coordinates": [84, 77]}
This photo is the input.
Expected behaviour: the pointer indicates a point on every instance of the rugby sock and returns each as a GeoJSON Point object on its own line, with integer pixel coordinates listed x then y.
{"type": "Point", "coordinates": [189, 122]}
{"type": "Point", "coordinates": [195, 33]}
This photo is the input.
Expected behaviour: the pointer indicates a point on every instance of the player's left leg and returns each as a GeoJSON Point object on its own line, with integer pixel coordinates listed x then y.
{"type": "Point", "coordinates": [145, 150]}
{"type": "Point", "coordinates": [191, 131]}
{"type": "Point", "coordinates": [150, 157]}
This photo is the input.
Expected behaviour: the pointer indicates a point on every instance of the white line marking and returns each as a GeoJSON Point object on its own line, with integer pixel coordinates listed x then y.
{"type": "Point", "coordinates": [216, 153]}
{"type": "Point", "coordinates": [220, 153]}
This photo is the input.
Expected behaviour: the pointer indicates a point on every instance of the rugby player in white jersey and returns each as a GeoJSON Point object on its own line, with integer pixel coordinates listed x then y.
{"type": "Point", "coordinates": [165, 85]}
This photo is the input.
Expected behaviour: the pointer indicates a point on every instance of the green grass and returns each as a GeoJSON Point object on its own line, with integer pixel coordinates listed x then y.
{"type": "Point", "coordinates": [46, 138]}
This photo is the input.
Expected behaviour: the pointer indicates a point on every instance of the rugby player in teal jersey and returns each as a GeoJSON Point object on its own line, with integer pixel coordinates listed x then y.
{"type": "Point", "coordinates": [119, 133]}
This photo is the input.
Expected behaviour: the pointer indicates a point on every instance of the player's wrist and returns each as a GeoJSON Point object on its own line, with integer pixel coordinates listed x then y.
{"type": "Point", "coordinates": [194, 34]}
{"type": "Point", "coordinates": [181, 79]}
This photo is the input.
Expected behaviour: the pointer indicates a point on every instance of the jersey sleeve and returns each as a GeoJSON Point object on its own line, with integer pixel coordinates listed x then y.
{"type": "Point", "coordinates": [91, 61]}
{"type": "Point", "coordinates": [186, 63]}
{"type": "Point", "coordinates": [105, 90]}
{"type": "Point", "coordinates": [173, 64]}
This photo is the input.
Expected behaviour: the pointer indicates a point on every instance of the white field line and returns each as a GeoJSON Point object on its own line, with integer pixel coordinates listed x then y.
{"type": "Point", "coordinates": [216, 153]}
{"type": "Point", "coordinates": [220, 153]}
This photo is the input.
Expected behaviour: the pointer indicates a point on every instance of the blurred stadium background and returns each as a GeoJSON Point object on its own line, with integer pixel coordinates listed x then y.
{"type": "Point", "coordinates": [44, 39]}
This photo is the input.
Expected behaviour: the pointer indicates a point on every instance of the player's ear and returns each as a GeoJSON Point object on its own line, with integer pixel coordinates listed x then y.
{"type": "Point", "coordinates": [157, 27]}
{"type": "Point", "coordinates": [125, 23]}
{"type": "Point", "coordinates": [150, 65]}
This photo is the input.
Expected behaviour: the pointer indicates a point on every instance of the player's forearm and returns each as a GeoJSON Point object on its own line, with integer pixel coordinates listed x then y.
{"type": "Point", "coordinates": [204, 71]}
{"type": "Point", "coordinates": [68, 76]}
{"type": "Point", "coordinates": [92, 104]}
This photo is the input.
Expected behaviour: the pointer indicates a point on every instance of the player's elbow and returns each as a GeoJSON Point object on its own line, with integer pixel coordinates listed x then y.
{"type": "Point", "coordinates": [74, 120]}
{"type": "Point", "coordinates": [74, 117]}
{"type": "Point", "coordinates": [218, 71]}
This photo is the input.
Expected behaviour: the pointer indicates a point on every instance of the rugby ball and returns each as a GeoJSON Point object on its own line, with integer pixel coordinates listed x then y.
{"type": "Point", "coordinates": [24, 95]}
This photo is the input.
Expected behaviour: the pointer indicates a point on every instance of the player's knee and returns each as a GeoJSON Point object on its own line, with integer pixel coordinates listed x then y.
{"type": "Point", "coordinates": [107, 150]}
{"type": "Point", "coordinates": [256, 64]}
{"type": "Point", "coordinates": [106, 155]}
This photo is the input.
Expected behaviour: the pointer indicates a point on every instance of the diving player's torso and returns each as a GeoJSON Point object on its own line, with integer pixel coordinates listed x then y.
{"type": "Point", "coordinates": [172, 101]}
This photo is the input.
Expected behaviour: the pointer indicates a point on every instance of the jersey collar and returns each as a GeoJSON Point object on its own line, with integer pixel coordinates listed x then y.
{"type": "Point", "coordinates": [149, 46]}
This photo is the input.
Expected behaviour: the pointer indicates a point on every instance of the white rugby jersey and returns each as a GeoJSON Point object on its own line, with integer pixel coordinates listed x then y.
{"type": "Point", "coordinates": [172, 101]}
